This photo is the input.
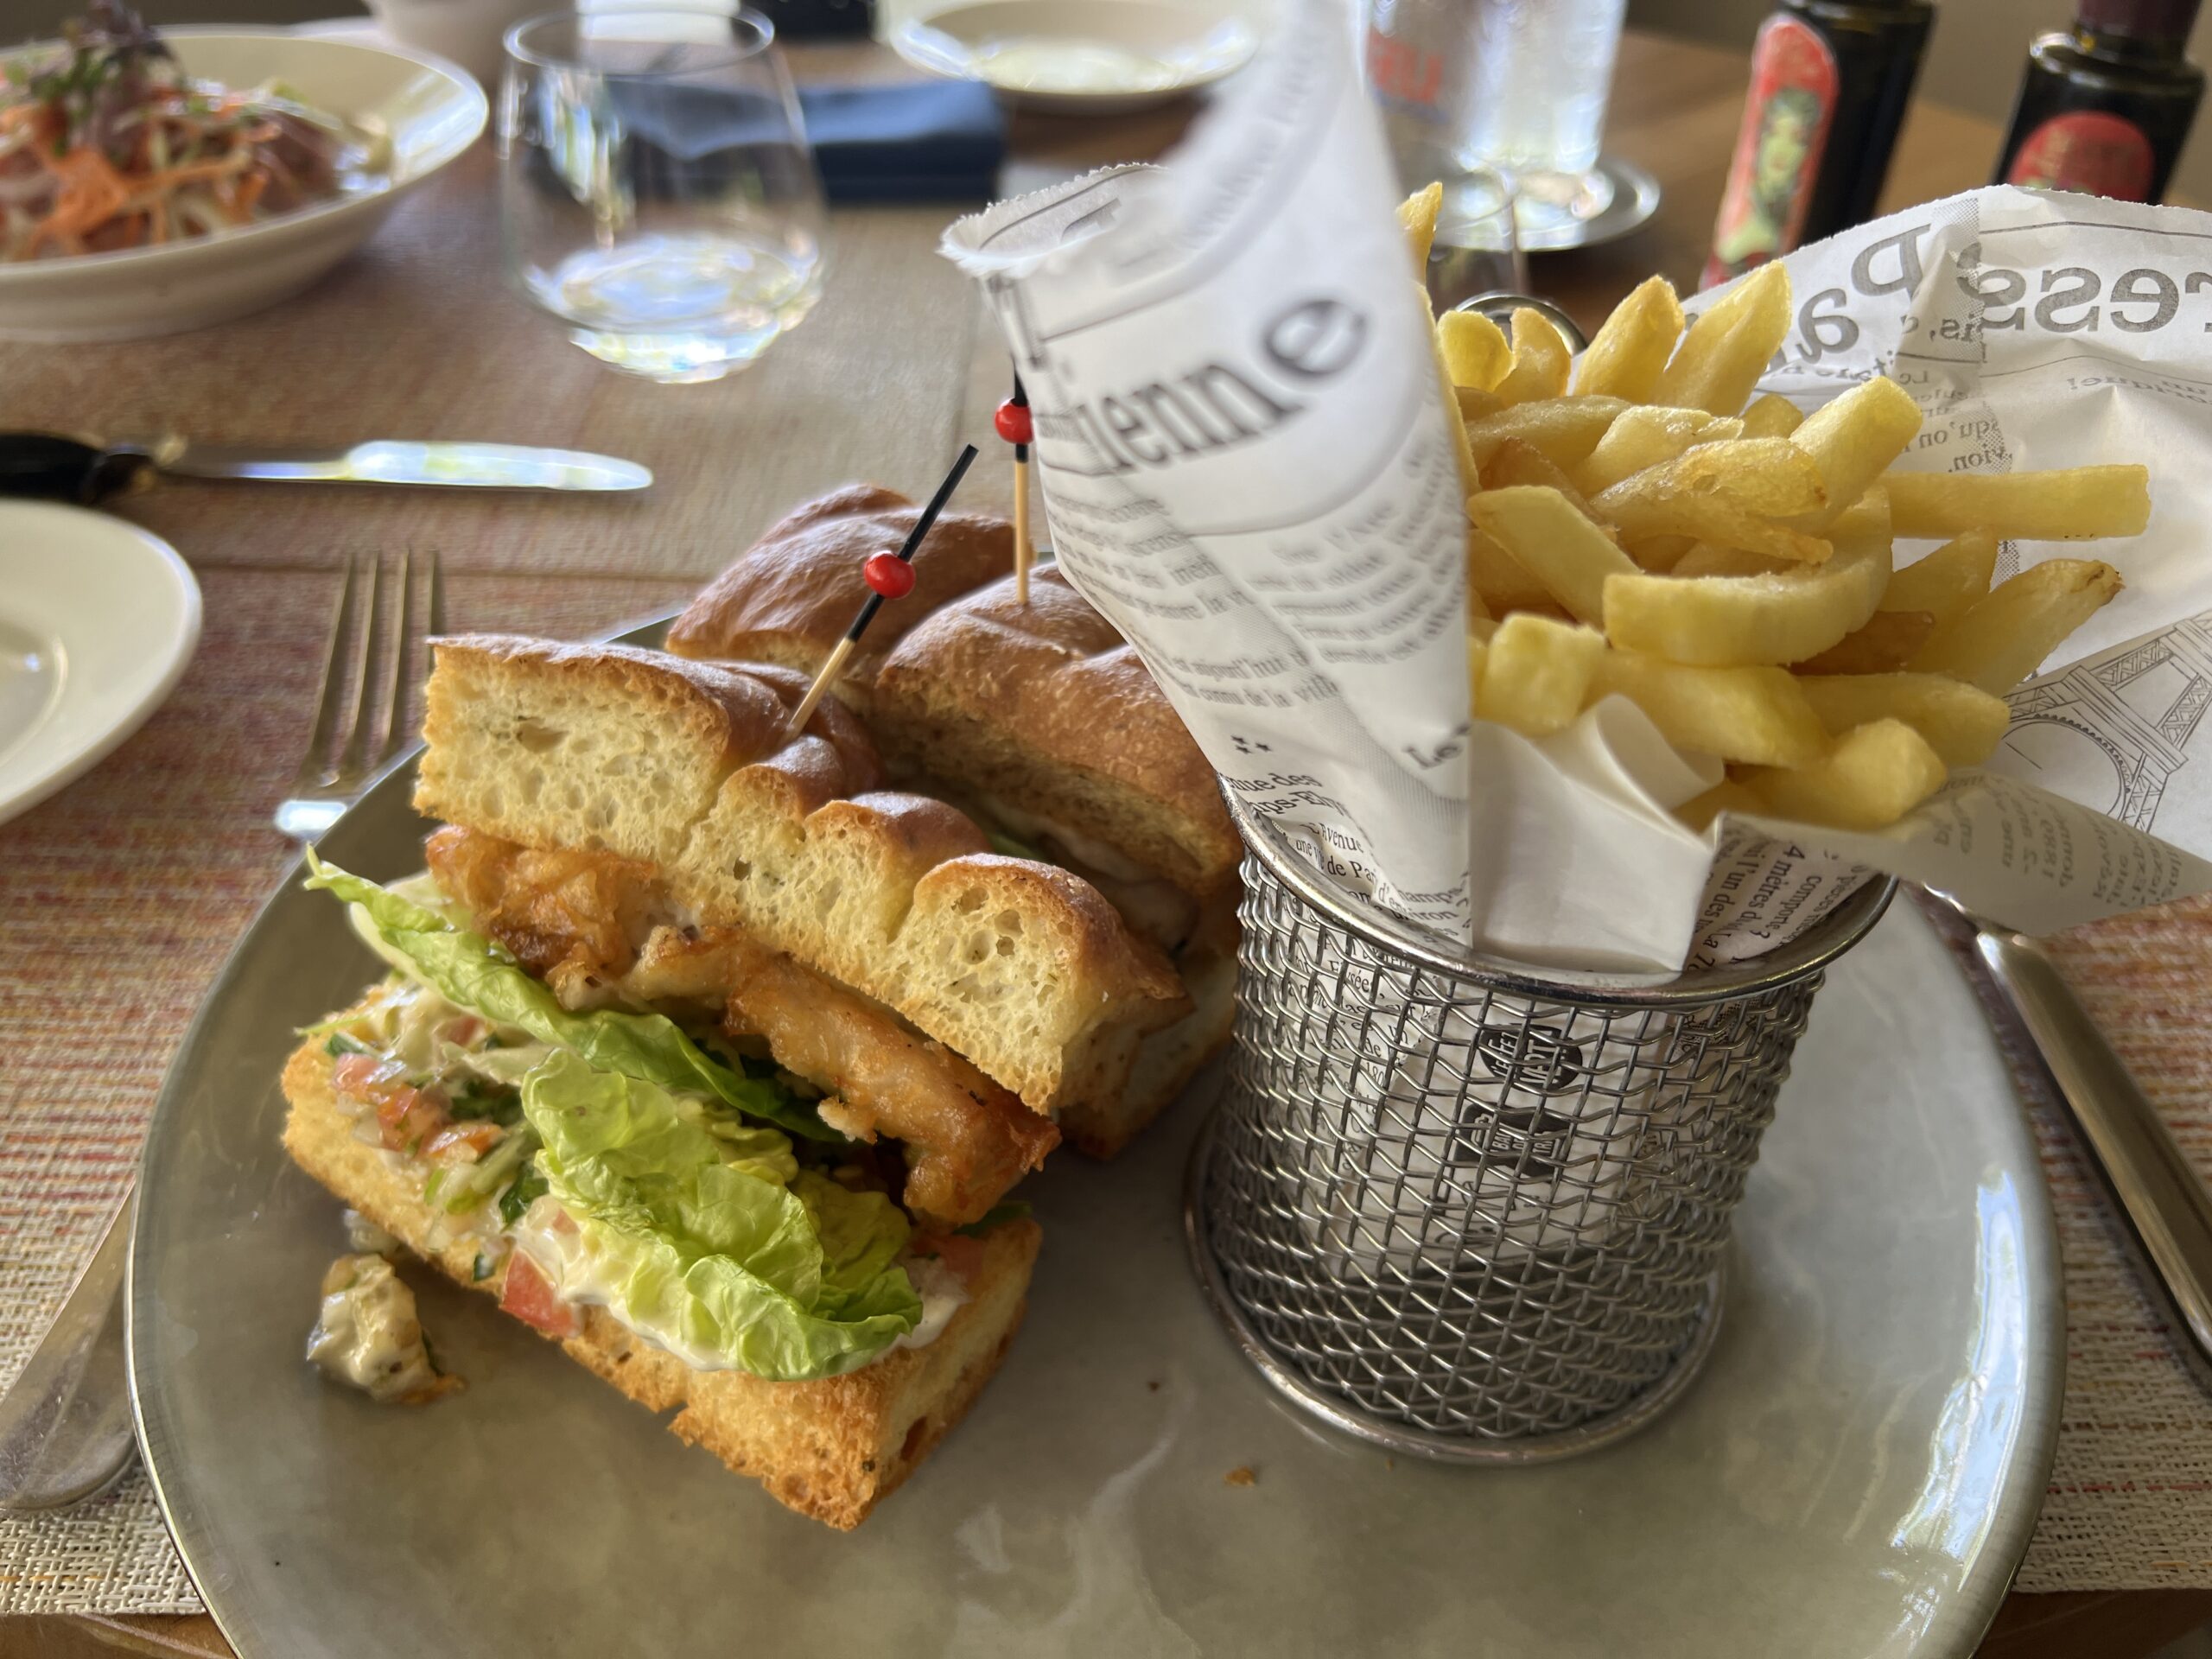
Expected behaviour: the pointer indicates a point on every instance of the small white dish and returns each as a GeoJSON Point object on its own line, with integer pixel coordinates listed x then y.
{"type": "Point", "coordinates": [97, 620]}
{"type": "Point", "coordinates": [1086, 57]}
{"type": "Point", "coordinates": [431, 112]}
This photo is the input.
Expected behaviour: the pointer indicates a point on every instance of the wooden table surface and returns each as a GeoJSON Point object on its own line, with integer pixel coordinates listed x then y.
{"type": "Point", "coordinates": [418, 337]}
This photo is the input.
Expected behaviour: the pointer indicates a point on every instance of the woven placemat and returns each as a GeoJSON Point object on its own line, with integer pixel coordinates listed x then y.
{"type": "Point", "coordinates": [124, 893]}
{"type": "Point", "coordinates": [2130, 1504]}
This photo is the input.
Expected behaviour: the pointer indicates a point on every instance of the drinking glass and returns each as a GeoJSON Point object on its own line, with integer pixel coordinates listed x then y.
{"type": "Point", "coordinates": [1540, 77]}
{"type": "Point", "coordinates": [1520, 85]}
{"type": "Point", "coordinates": [1477, 245]}
{"type": "Point", "coordinates": [656, 191]}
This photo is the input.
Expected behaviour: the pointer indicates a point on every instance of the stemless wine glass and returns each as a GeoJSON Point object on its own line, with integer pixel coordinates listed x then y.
{"type": "Point", "coordinates": [656, 191]}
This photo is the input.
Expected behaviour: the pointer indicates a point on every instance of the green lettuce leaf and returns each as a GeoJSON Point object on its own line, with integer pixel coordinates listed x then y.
{"type": "Point", "coordinates": [727, 1247]}
{"type": "Point", "coordinates": [468, 970]}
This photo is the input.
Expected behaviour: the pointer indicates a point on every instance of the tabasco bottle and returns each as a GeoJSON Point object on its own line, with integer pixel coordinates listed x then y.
{"type": "Point", "coordinates": [2105, 105]}
{"type": "Point", "coordinates": [1830, 80]}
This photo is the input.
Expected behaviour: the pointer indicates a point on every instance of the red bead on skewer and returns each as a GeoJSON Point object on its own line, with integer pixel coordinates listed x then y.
{"type": "Point", "coordinates": [1013, 423]}
{"type": "Point", "coordinates": [889, 574]}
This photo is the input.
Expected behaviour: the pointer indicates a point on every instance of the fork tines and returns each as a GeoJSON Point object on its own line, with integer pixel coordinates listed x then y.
{"type": "Point", "coordinates": [377, 654]}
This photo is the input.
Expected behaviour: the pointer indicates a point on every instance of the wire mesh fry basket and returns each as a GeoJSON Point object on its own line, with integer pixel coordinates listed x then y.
{"type": "Point", "coordinates": [1470, 1210]}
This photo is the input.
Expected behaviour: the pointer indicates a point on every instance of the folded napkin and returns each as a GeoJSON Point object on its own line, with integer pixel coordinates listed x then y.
{"type": "Point", "coordinates": [917, 141]}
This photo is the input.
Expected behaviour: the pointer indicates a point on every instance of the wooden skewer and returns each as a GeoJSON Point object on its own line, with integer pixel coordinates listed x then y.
{"type": "Point", "coordinates": [842, 652]}
{"type": "Point", "coordinates": [832, 666]}
{"type": "Point", "coordinates": [1024, 554]}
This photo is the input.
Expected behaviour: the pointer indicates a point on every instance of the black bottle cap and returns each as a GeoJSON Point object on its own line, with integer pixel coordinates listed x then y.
{"type": "Point", "coordinates": [2146, 20]}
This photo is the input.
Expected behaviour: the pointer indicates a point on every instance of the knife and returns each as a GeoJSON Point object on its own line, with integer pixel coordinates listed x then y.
{"type": "Point", "coordinates": [58, 467]}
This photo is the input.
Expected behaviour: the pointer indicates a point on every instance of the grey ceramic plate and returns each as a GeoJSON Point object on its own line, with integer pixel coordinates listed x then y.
{"type": "Point", "coordinates": [1855, 1475]}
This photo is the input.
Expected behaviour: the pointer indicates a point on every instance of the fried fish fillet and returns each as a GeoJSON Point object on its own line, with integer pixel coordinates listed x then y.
{"type": "Point", "coordinates": [601, 931]}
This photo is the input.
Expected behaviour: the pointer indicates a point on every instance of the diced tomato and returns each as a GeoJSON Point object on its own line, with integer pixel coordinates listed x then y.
{"type": "Point", "coordinates": [528, 1295]}
{"type": "Point", "coordinates": [563, 1222]}
{"type": "Point", "coordinates": [461, 1143]}
{"type": "Point", "coordinates": [964, 1255]}
{"type": "Point", "coordinates": [409, 1115]}
{"type": "Point", "coordinates": [364, 1077]}
{"type": "Point", "coordinates": [462, 1031]}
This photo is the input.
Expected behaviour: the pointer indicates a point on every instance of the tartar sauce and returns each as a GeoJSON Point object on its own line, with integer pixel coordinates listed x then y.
{"type": "Point", "coordinates": [368, 1336]}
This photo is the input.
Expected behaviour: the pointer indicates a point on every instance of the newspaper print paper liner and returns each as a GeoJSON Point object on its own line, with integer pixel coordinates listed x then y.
{"type": "Point", "coordinates": [1238, 440]}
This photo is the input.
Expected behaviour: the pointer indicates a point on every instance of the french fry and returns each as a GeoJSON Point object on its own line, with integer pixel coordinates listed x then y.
{"type": "Point", "coordinates": [1854, 438]}
{"type": "Point", "coordinates": [1726, 349]}
{"type": "Point", "coordinates": [1647, 436]}
{"type": "Point", "coordinates": [1541, 530]}
{"type": "Point", "coordinates": [1754, 715]}
{"type": "Point", "coordinates": [1727, 494]}
{"type": "Point", "coordinates": [1496, 579]}
{"type": "Point", "coordinates": [1469, 477]}
{"type": "Point", "coordinates": [1541, 359]}
{"type": "Point", "coordinates": [1742, 621]}
{"type": "Point", "coordinates": [1704, 559]}
{"type": "Point", "coordinates": [2072, 504]}
{"type": "Point", "coordinates": [1475, 351]}
{"type": "Point", "coordinates": [1518, 462]}
{"type": "Point", "coordinates": [1536, 674]}
{"type": "Point", "coordinates": [1962, 723]}
{"type": "Point", "coordinates": [1417, 218]}
{"type": "Point", "coordinates": [1566, 428]}
{"type": "Point", "coordinates": [1889, 641]}
{"type": "Point", "coordinates": [1947, 580]}
{"type": "Point", "coordinates": [2002, 639]}
{"type": "Point", "coordinates": [1874, 775]}
{"type": "Point", "coordinates": [1659, 553]}
{"type": "Point", "coordinates": [1629, 353]}
{"type": "Point", "coordinates": [1476, 405]}
{"type": "Point", "coordinates": [1772, 415]}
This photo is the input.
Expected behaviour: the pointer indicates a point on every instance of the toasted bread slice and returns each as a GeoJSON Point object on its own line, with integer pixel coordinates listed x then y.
{"type": "Point", "coordinates": [1021, 967]}
{"type": "Point", "coordinates": [789, 596]}
{"type": "Point", "coordinates": [831, 1449]}
{"type": "Point", "coordinates": [1166, 1061]}
{"type": "Point", "coordinates": [1045, 710]}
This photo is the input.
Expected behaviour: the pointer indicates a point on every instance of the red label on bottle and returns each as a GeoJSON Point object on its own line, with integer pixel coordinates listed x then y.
{"type": "Point", "coordinates": [1777, 152]}
{"type": "Point", "coordinates": [2088, 151]}
{"type": "Point", "coordinates": [1401, 71]}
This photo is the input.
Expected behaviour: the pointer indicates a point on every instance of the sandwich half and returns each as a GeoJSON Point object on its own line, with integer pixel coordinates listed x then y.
{"type": "Point", "coordinates": [800, 583]}
{"type": "Point", "coordinates": [712, 1060]}
{"type": "Point", "coordinates": [1040, 722]}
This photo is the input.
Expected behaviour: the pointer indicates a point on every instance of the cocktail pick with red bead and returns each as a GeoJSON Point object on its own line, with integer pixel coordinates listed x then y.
{"type": "Point", "coordinates": [1015, 426]}
{"type": "Point", "coordinates": [892, 576]}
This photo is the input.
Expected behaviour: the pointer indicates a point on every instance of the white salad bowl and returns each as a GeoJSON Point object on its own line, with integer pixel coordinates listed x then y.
{"type": "Point", "coordinates": [429, 109]}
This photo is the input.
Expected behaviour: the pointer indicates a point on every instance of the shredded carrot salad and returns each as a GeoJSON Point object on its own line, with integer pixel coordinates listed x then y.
{"type": "Point", "coordinates": [105, 144]}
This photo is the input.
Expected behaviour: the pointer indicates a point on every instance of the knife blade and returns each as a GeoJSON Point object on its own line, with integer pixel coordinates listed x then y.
{"type": "Point", "coordinates": [73, 469]}
{"type": "Point", "coordinates": [394, 461]}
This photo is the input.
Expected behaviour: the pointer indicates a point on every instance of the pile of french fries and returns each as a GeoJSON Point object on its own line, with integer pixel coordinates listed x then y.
{"type": "Point", "coordinates": [1637, 530]}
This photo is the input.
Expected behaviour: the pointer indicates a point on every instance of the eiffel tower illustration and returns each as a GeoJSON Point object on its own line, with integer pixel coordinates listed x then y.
{"type": "Point", "coordinates": [2117, 726]}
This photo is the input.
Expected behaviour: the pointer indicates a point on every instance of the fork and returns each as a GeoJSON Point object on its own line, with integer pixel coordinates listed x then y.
{"type": "Point", "coordinates": [370, 608]}
{"type": "Point", "coordinates": [65, 1424]}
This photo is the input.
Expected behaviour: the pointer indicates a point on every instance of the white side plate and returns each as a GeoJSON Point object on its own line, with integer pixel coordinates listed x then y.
{"type": "Point", "coordinates": [97, 620]}
{"type": "Point", "coordinates": [1087, 57]}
